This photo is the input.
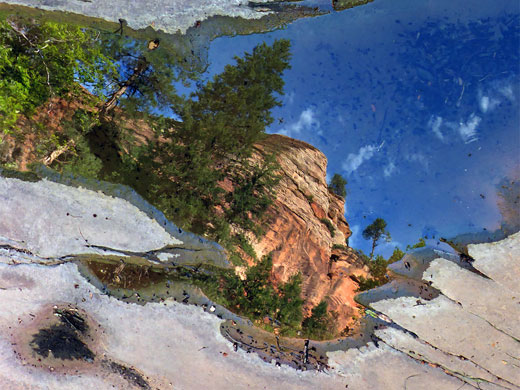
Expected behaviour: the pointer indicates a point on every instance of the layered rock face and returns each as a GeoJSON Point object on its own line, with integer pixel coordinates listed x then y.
{"type": "Point", "coordinates": [297, 234]}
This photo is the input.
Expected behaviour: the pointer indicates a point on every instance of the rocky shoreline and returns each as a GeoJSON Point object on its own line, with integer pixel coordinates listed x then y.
{"type": "Point", "coordinates": [466, 335]}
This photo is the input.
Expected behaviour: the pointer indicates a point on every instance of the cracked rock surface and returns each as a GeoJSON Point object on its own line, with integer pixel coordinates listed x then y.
{"type": "Point", "coordinates": [464, 336]}
{"type": "Point", "coordinates": [167, 15]}
{"type": "Point", "coordinates": [46, 221]}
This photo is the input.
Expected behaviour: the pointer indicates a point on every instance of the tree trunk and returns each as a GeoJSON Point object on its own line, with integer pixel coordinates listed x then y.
{"type": "Point", "coordinates": [141, 66]}
{"type": "Point", "coordinates": [373, 248]}
{"type": "Point", "coordinates": [58, 152]}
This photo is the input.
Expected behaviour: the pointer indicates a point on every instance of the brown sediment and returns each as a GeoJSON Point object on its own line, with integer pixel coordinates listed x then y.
{"type": "Point", "coordinates": [123, 274]}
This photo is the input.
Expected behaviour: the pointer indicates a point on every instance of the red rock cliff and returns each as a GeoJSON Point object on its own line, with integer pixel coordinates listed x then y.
{"type": "Point", "coordinates": [297, 236]}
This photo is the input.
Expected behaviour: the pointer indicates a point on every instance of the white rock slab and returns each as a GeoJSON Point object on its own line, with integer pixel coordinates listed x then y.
{"type": "Point", "coordinates": [494, 303]}
{"type": "Point", "coordinates": [172, 343]}
{"type": "Point", "coordinates": [499, 260]}
{"type": "Point", "coordinates": [447, 326]}
{"type": "Point", "coordinates": [167, 15]}
{"type": "Point", "coordinates": [372, 368]}
{"type": "Point", "coordinates": [52, 220]}
{"type": "Point", "coordinates": [458, 366]}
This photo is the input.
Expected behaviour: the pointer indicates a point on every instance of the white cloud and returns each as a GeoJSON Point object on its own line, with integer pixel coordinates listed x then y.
{"type": "Point", "coordinates": [507, 91]}
{"type": "Point", "coordinates": [390, 169]}
{"type": "Point", "coordinates": [354, 160]}
{"type": "Point", "coordinates": [468, 129]}
{"type": "Point", "coordinates": [486, 102]}
{"type": "Point", "coordinates": [435, 124]}
{"type": "Point", "coordinates": [288, 98]}
{"type": "Point", "coordinates": [354, 238]}
{"type": "Point", "coordinates": [418, 158]}
{"type": "Point", "coordinates": [306, 121]}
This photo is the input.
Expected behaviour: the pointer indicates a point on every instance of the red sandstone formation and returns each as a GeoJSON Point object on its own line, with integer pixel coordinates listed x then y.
{"type": "Point", "coordinates": [297, 237]}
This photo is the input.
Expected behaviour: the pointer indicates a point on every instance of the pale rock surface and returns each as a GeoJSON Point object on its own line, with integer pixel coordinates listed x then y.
{"type": "Point", "coordinates": [53, 220]}
{"type": "Point", "coordinates": [173, 343]}
{"type": "Point", "coordinates": [167, 15]}
{"type": "Point", "coordinates": [445, 325]}
{"type": "Point", "coordinates": [464, 334]}
{"type": "Point", "coordinates": [499, 260]}
{"type": "Point", "coordinates": [494, 302]}
{"type": "Point", "coordinates": [46, 221]}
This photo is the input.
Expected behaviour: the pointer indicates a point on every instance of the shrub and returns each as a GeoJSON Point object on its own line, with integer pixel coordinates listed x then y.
{"type": "Point", "coordinates": [256, 297]}
{"type": "Point", "coordinates": [329, 225]}
{"type": "Point", "coordinates": [337, 185]}
{"type": "Point", "coordinates": [419, 244]}
{"type": "Point", "coordinates": [321, 324]}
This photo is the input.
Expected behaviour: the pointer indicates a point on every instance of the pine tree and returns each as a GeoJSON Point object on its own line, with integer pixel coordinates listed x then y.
{"type": "Point", "coordinates": [376, 231]}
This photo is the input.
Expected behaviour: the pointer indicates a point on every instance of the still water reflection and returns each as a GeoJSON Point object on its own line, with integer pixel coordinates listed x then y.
{"type": "Point", "coordinates": [415, 103]}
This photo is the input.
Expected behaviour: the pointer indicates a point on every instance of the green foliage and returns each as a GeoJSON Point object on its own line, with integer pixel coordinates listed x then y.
{"type": "Point", "coordinates": [235, 107]}
{"type": "Point", "coordinates": [339, 246]}
{"type": "Point", "coordinates": [214, 141]}
{"type": "Point", "coordinates": [181, 174]}
{"type": "Point", "coordinates": [151, 88]}
{"type": "Point", "coordinates": [367, 284]}
{"type": "Point", "coordinates": [81, 160]}
{"type": "Point", "coordinates": [329, 225]}
{"type": "Point", "coordinates": [253, 193]}
{"type": "Point", "coordinates": [321, 324]}
{"type": "Point", "coordinates": [256, 297]}
{"type": "Point", "coordinates": [420, 244]}
{"type": "Point", "coordinates": [377, 269]}
{"type": "Point", "coordinates": [246, 246]}
{"type": "Point", "coordinates": [397, 255]}
{"type": "Point", "coordinates": [290, 302]}
{"type": "Point", "coordinates": [41, 60]}
{"type": "Point", "coordinates": [376, 231]}
{"type": "Point", "coordinates": [337, 185]}
{"type": "Point", "coordinates": [364, 258]}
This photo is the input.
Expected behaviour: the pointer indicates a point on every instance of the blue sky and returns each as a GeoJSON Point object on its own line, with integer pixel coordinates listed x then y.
{"type": "Point", "coordinates": [415, 102]}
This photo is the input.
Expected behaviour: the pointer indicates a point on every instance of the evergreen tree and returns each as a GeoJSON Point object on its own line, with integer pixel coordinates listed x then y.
{"type": "Point", "coordinates": [290, 310]}
{"type": "Point", "coordinates": [219, 127]}
{"type": "Point", "coordinates": [337, 185]}
{"type": "Point", "coordinates": [320, 323]}
{"type": "Point", "coordinates": [234, 109]}
{"type": "Point", "coordinates": [376, 231]}
{"type": "Point", "coordinates": [397, 255]}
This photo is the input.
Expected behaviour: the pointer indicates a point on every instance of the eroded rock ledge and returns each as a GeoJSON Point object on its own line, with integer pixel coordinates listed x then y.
{"type": "Point", "coordinates": [465, 335]}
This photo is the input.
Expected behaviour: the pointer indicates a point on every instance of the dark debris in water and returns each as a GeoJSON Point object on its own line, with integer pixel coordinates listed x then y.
{"type": "Point", "coordinates": [129, 374]}
{"type": "Point", "coordinates": [297, 353]}
{"type": "Point", "coordinates": [64, 339]}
